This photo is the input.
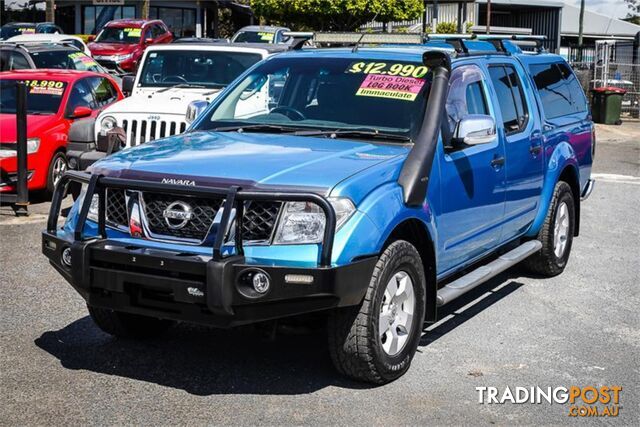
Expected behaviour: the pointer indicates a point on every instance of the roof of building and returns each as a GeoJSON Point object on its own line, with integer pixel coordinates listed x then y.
{"type": "Point", "coordinates": [595, 24]}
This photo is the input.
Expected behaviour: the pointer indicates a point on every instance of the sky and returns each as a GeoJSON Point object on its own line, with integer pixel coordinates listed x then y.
{"type": "Point", "coordinates": [614, 8]}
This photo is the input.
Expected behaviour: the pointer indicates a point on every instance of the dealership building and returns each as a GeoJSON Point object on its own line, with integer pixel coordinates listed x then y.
{"type": "Point", "coordinates": [185, 18]}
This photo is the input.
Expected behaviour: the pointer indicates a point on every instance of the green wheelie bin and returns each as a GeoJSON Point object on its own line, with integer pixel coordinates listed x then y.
{"type": "Point", "coordinates": [606, 104]}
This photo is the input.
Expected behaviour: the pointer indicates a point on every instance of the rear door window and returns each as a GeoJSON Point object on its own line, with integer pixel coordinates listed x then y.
{"type": "Point", "coordinates": [510, 97]}
{"type": "Point", "coordinates": [560, 91]}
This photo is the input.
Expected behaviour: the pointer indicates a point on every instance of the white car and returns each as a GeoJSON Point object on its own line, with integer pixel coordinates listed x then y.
{"type": "Point", "coordinates": [52, 38]}
{"type": "Point", "coordinates": [169, 78]}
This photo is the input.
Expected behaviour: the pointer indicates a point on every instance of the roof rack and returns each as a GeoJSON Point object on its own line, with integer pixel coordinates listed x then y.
{"type": "Point", "coordinates": [352, 38]}
{"type": "Point", "coordinates": [457, 41]}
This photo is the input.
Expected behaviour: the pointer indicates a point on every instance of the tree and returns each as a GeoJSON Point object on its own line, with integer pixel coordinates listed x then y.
{"type": "Point", "coordinates": [335, 15]}
{"type": "Point", "coordinates": [634, 15]}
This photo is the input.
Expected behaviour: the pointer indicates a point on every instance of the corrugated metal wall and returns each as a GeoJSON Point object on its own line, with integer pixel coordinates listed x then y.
{"type": "Point", "coordinates": [541, 20]}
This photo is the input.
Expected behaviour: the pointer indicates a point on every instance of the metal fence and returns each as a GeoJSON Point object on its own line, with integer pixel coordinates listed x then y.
{"type": "Point", "coordinates": [610, 63]}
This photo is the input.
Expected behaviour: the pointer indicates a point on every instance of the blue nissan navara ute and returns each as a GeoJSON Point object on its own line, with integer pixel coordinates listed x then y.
{"type": "Point", "coordinates": [376, 184]}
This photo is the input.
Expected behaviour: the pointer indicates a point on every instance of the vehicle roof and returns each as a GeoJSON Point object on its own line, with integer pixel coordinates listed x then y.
{"type": "Point", "coordinates": [20, 24]}
{"type": "Point", "coordinates": [266, 28]}
{"type": "Point", "coordinates": [43, 74]}
{"type": "Point", "coordinates": [42, 37]}
{"type": "Point", "coordinates": [204, 45]}
{"type": "Point", "coordinates": [36, 47]}
{"type": "Point", "coordinates": [411, 53]}
{"type": "Point", "coordinates": [135, 23]}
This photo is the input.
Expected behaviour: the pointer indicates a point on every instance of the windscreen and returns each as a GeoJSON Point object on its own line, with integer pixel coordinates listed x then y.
{"type": "Point", "coordinates": [43, 96]}
{"type": "Point", "coordinates": [212, 69]}
{"type": "Point", "coordinates": [8, 32]}
{"type": "Point", "coordinates": [119, 35]}
{"type": "Point", "coordinates": [322, 93]}
{"type": "Point", "coordinates": [65, 60]}
{"type": "Point", "coordinates": [254, 37]}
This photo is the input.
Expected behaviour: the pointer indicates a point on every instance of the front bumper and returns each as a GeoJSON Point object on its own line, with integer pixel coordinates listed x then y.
{"type": "Point", "coordinates": [216, 289]}
{"type": "Point", "coordinates": [82, 155]}
{"type": "Point", "coordinates": [185, 287]}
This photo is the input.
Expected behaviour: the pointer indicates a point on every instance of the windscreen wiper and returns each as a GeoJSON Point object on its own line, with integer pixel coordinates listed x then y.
{"type": "Point", "coordinates": [256, 128]}
{"type": "Point", "coordinates": [356, 133]}
{"type": "Point", "coordinates": [181, 85]}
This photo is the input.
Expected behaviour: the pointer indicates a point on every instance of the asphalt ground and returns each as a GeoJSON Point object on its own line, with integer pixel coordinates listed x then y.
{"type": "Point", "coordinates": [578, 329]}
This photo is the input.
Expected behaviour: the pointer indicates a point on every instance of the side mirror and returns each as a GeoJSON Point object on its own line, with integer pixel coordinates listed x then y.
{"type": "Point", "coordinates": [194, 109]}
{"type": "Point", "coordinates": [81, 111]}
{"type": "Point", "coordinates": [127, 83]}
{"type": "Point", "coordinates": [91, 38]}
{"type": "Point", "coordinates": [148, 40]}
{"type": "Point", "coordinates": [475, 129]}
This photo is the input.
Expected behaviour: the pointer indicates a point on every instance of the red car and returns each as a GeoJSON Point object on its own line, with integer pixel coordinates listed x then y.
{"type": "Point", "coordinates": [120, 43]}
{"type": "Point", "coordinates": [55, 98]}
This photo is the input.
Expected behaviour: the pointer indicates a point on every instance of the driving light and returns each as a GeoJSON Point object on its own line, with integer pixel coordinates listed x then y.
{"type": "Point", "coordinates": [107, 123]}
{"type": "Point", "coordinates": [304, 222]}
{"type": "Point", "coordinates": [298, 279]}
{"type": "Point", "coordinates": [260, 282]}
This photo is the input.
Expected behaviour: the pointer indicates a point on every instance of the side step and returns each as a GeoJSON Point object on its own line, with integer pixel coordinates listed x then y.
{"type": "Point", "coordinates": [481, 274]}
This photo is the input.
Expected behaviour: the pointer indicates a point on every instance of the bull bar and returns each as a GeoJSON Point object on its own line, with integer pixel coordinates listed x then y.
{"type": "Point", "coordinates": [107, 272]}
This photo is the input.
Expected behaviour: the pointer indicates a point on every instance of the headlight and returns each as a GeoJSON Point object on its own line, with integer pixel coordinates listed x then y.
{"type": "Point", "coordinates": [8, 151]}
{"type": "Point", "coordinates": [304, 222]}
{"type": "Point", "coordinates": [121, 58]}
{"type": "Point", "coordinates": [93, 208]}
{"type": "Point", "coordinates": [107, 123]}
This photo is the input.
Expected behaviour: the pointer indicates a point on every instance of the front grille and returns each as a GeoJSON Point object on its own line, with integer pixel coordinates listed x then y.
{"type": "Point", "coordinates": [141, 131]}
{"type": "Point", "coordinates": [203, 213]}
{"type": "Point", "coordinates": [259, 220]}
{"type": "Point", "coordinates": [117, 208]}
{"type": "Point", "coordinates": [257, 226]}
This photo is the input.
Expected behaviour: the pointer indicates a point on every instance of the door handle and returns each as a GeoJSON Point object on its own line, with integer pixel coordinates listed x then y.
{"type": "Point", "coordinates": [497, 162]}
{"type": "Point", "coordinates": [535, 149]}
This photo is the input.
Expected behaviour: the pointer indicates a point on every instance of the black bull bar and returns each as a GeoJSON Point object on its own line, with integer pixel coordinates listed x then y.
{"type": "Point", "coordinates": [234, 198]}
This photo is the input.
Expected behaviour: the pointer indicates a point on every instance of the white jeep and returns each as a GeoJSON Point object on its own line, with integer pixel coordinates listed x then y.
{"type": "Point", "coordinates": [169, 78]}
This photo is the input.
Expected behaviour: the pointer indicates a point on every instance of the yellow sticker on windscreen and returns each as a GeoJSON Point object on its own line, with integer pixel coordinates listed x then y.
{"type": "Point", "coordinates": [266, 36]}
{"type": "Point", "coordinates": [27, 30]}
{"type": "Point", "coordinates": [45, 87]}
{"type": "Point", "coordinates": [393, 87]}
{"type": "Point", "coordinates": [133, 32]}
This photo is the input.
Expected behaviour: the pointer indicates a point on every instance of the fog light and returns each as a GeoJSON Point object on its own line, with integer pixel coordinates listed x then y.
{"type": "Point", "coordinates": [73, 163]}
{"type": "Point", "coordinates": [260, 282]}
{"type": "Point", "coordinates": [66, 257]}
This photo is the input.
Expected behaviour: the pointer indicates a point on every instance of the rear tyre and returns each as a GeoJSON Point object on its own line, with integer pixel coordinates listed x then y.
{"type": "Point", "coordinates": [556, 234]}
{"type": "Point", "coordinates": [126, 325]}
{"type": "Point", "coordinates": [57, 168]}
{"type": "Point", "coordinates": [376, 340]}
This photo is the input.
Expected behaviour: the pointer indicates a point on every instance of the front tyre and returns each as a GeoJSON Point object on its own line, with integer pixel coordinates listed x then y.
{"type": "Point", "coordinates": [57, 168]}
{"type": "Point", "coordinates": [556, 234]}
{"type": "Point", "coordinates": [127, 325]}
{"type": "Point", "coordinates": [376, 340]}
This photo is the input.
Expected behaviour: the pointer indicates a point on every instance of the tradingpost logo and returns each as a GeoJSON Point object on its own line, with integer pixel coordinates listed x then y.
{"type": "Point", "coordinates": [589, 401]}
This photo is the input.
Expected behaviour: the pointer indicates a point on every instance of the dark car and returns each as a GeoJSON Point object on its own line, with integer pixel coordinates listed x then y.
{"type": "Point", "coordinates": [19, 56]}
{"type": "Point", "coordinates": [17, 28]}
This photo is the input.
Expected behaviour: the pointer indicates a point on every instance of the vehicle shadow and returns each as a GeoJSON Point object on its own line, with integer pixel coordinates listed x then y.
{"type": "Point", "coordinates": [206, 361]}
